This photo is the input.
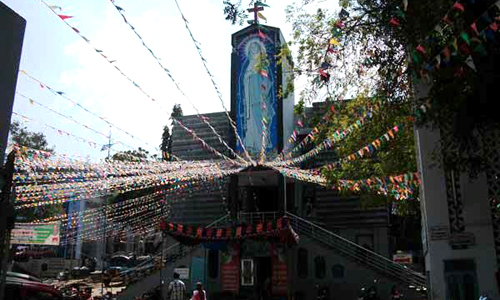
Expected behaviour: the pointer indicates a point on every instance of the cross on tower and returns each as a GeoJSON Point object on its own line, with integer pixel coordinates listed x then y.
{"type": "Point", "coordinates": [258, 6]}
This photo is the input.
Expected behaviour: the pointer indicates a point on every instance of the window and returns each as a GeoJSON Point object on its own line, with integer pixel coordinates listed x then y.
{"type": "Point", "coordinates": [338, 271]}
{"type": "Point", "coordinates": [247, 272]}
{"type": "Point", "coordinates": [302, 266]}
{"type": "Point", "coordinates": [213, 263]}
{"type": "Point", "coordinates": [320, 267]}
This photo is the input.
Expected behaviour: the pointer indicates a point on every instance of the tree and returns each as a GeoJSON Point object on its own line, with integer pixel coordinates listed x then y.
{"type": "Point", "coordinates": [166, 138]}
{"type": "Point", "coordinates": [379, 42]}
{"type": "Point", "coordinates": [131, 155]}
{"type": "Point", "coordinates": [19, 134]}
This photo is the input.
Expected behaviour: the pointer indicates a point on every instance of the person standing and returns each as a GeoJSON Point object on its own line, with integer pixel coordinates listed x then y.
{"type": "Point", "coordinates": [176, 289]}
{"type": "Point", "coordinates": [199, 293]}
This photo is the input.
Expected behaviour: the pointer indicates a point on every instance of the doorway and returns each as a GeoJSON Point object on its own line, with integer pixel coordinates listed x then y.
{"type": "Point", "coordinates": [265, 198]}
{"type": "Point", "coordinates": [264, 273]}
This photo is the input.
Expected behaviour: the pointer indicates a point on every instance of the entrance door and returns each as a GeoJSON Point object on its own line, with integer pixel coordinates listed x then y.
{"type": "Point", "coordinates": [461, 280]}
{"type": "Point", "coordinates": [264, 275]}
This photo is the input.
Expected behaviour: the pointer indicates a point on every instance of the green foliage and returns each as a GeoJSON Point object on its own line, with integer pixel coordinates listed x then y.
{"type": "Point", "coordinates": [131, 155]}
{"type": "Point", "coordinates": [176, 111]}
{"type": "Point", "coordinates": [299, 108]}
{"type": "Point", "coordinates": [166, 137]}
{"type": "Point", "coordinates": [21, 135]}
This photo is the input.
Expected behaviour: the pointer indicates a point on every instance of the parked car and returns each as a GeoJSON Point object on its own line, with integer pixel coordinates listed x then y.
{"type": "Point", "coordinates": [19, 288]}
{"type": "Point", "coordinates": [118, 266]}
{"type": "Point", "coordinates": [23, 276]}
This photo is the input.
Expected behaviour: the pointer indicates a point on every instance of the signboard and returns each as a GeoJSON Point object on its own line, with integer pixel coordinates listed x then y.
{"type": "Point", "coordinates": [183, 272]}
{"type": "Point", "coordinates": [403, 258]}
{"type": "Point", "coordinates": [230, 269]}
{"type": "Point", "coordinates": [440, 232]}
{"type": "Point", "coordinates": [35, 234]}
{"type": "Point", "coordinates": [465, 239]}
{"type": "Point", "coordinates": [279, 271]}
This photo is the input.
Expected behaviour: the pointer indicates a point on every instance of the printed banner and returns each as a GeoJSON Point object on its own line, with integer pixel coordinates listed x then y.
{"type": "Point", "coordinates": [230, 270]}
{"type": "Point", "coordinates": [36, 234]}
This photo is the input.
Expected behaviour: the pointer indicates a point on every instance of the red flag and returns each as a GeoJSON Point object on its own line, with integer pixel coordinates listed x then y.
{"type": "Point", "coordinates": [421, 49]}
{"type": "Point", "coordinates": [261, 35]}
{"type": "Point", "coordinates": [394, 22]}
{"type": "Point", "coordinates": [494, 26]}
{"type": "Point", "coordinates": [64, 17]}
{"type": "Point", "coordinates": [459, 7]}
{"type": "Point", "coordinates": [269, 226]}
{"type": "Point", "coordinates": [474, 28]}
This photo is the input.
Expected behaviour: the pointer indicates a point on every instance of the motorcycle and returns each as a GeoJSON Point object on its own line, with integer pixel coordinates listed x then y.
{"type": "Point", "coordinates": [369, 294]}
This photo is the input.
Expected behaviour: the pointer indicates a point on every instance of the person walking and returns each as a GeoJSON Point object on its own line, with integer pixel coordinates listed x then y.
{"type": "Point", "coordinates": [176, 289]}
{"type": "Point", "coordinates": [199, 293]}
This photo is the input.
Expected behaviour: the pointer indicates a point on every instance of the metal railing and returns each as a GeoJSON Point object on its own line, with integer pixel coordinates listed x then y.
{"type": "Point", "coordinates": [173, 252]}
{"type": "Point", "coordinates": [356, 252]}
{"type": "Point", "coordinates": [254, 217]}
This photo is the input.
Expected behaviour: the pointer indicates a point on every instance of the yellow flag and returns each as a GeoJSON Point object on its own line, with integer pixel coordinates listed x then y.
{"type": "Point", "coordinates": [262, 16]}
{"type": "Point", "coordinates": [334, 42]}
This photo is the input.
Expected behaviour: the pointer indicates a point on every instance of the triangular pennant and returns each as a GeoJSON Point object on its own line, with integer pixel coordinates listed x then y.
{"type": "Point", "coordinates": [258, 3]}
{"type": "Point", "coordinates": [64, 17]}
{"type": "Point", "coordinates": [470, 62]}
{"type": "Point", "coordinates": [260, 15]}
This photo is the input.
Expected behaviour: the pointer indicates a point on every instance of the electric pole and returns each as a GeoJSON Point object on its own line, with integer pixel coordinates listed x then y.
{"type": "Point", "coordinates": [104, 211]}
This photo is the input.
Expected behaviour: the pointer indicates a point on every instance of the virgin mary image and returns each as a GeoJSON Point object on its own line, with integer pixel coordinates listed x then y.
{"type": "Point", "coordinates": [256, 97]}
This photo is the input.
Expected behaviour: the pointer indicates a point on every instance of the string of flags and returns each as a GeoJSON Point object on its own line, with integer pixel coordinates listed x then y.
{"type": "Point", "coordinates": [330, 141]}
{"type": "Point", "coordinates": [205, 145]}
{"type": "Point", "coordinates": [169, 74]}
{"type": "Point", "coordinates": [311, 136]}
{"type": "Point", "coordinates": [367, 150]}
{"type": "Point", "coordinates": [74, 181]}
{"type": "Point", "coordinates": [262, 154]}
{"type": "Point", "coordinates": [470, 40]}
{"type": "Point", "coordinates": [33, 102]}
{"type": "Point", "coordinates": [60, 132]}
{"type": "Point", "coordinates": [64, 96]}
{"type": "Point", "coordinates": [191, 235]}
{"type": "Point", "coordinates": [101, 53]}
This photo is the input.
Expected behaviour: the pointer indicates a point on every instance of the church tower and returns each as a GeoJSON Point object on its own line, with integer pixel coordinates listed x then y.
{"type": "Point", "coordinates": [260, 103]}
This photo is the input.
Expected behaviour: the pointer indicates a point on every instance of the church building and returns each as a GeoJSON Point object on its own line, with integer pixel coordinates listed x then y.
{"type": "Point", "coordinates": [340, 248]}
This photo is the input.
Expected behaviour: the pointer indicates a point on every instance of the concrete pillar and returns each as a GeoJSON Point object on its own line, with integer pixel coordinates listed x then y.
{"type": "Point", "coordinates": [437, 236]}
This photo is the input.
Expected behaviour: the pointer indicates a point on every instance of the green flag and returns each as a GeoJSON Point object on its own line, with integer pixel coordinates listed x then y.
{"type": "Point", "coordinates": [258, 3]}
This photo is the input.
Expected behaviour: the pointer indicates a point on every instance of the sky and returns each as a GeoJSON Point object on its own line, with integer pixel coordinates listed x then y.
{"type": "Point", "coordinates": [57, 56]}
